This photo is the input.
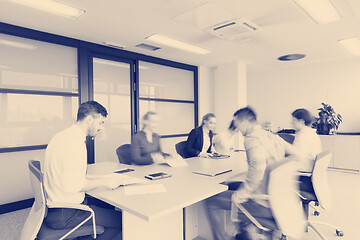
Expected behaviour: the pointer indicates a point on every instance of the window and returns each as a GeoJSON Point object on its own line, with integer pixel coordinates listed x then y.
{"type": "Point", "coordinates": [168, 91]}
{"type": "Point", "coordinates": [38, 91]}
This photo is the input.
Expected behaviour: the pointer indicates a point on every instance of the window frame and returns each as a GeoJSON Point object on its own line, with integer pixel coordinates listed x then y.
{"type": "Point", "coordinates": [85, 52]}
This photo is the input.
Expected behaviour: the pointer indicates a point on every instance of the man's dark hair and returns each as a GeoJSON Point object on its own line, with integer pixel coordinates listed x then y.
{"type": "Point", "coordinates": [148, 114]}
{"type": "Point", "coordinates": [246, 113]}
{"type": "Point", "coordinates": [232, 126]}
{"type": "Point", "coordinates": [303, 114]}
{"type": "Point", "coordinates": [90, 107]}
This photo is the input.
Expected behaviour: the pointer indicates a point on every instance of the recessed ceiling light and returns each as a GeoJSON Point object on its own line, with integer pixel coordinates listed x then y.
{"type": "Point", "coordinates": [321, 11]}
{"type": "Point", "coordinates": [160, 39]}
{"type": "Point", "coordinates": [52, 7]}
{"type": "Point", "coordinates": [291, 57]}
{"type": "Point", "coordinates": [17, 44]}
{"type": "Point", "coordinates": [351, 44]}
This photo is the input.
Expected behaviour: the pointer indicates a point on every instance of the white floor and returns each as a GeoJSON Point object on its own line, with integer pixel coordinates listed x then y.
{"type": "Point", "coordinates": [345, 211]}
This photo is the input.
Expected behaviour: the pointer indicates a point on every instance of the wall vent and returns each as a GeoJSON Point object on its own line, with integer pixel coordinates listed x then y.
{"type": "Point", "coordinates": [147, 47]}
{"type": "Point", "coordinates": [234, 29]}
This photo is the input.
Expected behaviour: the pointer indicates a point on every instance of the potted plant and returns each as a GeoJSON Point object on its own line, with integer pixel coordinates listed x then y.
{"type": "Point", "coordinates": [328, 119]}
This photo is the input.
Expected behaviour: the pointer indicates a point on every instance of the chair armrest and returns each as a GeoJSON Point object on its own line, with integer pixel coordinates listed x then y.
{"type": "Point", "coordinates": [301, 196]}
{"type": "Point", "coordinates": [69, 205]}
{"type": "Point", "coordinates": [305, 174]}
{"type": "Point", "coordinates": [79, 207]}
{"type": "Point", "coordinates": [260, 196]}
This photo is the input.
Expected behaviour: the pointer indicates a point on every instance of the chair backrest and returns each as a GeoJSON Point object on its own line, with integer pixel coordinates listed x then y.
{"type": "Point", "coordinates": [123, 153]}
{"type": "Point", "coordinates": [37, 213]}
{"type": "Point", "coordinates": [287, 137]}
{"type": "Point", "coordinates": [319, 179]}
{"type": "Point", "coordinates": [284, 201]}
{"type": "Point", "coordinates": [180, 148]}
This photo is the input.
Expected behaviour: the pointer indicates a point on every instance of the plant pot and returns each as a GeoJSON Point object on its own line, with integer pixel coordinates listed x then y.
{"type": "Point", "coordinates": [323, 129]}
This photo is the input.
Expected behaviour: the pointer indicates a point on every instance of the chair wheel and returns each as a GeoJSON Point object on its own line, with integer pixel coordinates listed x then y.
{"type": "Point", "coordinates": [283, 237]}
{"type": "Point", "coordinates": [339, 233]}
{"type": "Point", "coordinates": [317, 204]}
{"type": "Point", "coordinates": [316, 213]}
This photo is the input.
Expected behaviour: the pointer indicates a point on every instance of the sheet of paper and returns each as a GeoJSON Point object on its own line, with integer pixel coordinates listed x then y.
{"type": "Point", "coordinates": [176, 161]}
{"type": "Point", "coordinates": [144, 189]}
{"type": "Point", "coordinates": [107, 175]}
{"type": "Point", "coordinates": [133, 180]}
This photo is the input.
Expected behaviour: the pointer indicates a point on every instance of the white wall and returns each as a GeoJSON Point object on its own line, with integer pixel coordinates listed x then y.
{"type": "Point", "coordinates": [275, 94]}
{"type": "Point", "coordinates": [206, 90]}
{"type": "Point", "coordinates": [229, 92]}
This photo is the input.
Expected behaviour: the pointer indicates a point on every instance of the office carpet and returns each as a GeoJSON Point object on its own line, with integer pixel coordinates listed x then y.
{"type": "Point", "coordinates": [345, 211]}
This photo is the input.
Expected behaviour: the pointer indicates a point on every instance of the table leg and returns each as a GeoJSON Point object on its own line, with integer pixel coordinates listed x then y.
{"type": "Point", "coordinates": [164, 228]}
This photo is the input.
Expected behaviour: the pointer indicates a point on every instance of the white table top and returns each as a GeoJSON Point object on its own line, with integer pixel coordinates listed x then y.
{"type": "Point", "coordinates": [184, 188]}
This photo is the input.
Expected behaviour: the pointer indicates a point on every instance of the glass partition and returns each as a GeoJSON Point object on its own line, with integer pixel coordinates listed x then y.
{"type": "Point", "coordinates": [112, 89]}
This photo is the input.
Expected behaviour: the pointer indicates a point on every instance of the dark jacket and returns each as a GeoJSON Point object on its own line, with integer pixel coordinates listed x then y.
{"type": "Point", "coordinates": [194, 143]}
{"type": "Point", "coordinates": [141, 149]}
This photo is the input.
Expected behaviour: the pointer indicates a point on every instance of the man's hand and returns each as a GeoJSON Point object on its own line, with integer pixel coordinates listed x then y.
{"type": "Point", "coordinates": [157, 158]}
{"type": "Point", "coordinates": [204, 154]}
{"type": "Point", "coordinates": [112, 182]}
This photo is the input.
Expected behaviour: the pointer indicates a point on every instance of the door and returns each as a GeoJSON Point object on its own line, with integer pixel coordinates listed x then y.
{"type": "Point", "coordinates": [112, 81]}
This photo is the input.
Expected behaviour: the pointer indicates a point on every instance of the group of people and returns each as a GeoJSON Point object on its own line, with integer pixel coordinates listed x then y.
{"type": "Point", "coordinates": [65, 164]}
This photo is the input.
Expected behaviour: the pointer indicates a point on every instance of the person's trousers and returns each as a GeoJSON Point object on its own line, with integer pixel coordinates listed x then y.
{"type": "Point", "coordinates": [111, 220]}
{"type": "Point", "coordinates": [220, 202]}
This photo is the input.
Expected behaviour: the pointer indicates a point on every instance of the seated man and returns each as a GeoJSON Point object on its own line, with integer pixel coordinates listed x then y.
{"type": "Point", "coordinates": [263, 149]}
{"type": "Point", "coordinates": [65, 179]}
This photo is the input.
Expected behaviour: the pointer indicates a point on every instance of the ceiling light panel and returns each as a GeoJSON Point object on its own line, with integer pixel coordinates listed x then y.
{"type": "Point", "coordinates": [170, 42]}
{"type": "Point", "coordinates": [352, 45]}
{"type": "Point", "coordinates": [321, 11]}
{"type": "Point", "coordinates": [52, 7]}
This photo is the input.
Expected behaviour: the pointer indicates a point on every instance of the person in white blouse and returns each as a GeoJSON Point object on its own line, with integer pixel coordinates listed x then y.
{"type": "Point", "coordinates": [307, 142]}
{"type": "Point", "coordinates": [65, 181]}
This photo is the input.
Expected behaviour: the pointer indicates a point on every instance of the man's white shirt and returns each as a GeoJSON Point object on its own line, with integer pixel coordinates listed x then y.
{"type": "Point", "coordinates": [65, 166]}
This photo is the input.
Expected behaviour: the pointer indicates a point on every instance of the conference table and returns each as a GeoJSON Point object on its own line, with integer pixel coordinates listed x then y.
{"type": "Point", "coordinates": [172, 211]}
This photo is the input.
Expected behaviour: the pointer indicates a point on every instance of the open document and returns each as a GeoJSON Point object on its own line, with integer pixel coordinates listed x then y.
{"type": "Point", "coordinates": [176, 161]}
{"type": "Point", "coordinates": [121, 179]}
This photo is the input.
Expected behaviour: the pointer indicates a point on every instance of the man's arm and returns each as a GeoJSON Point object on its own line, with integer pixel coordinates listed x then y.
{"type": "Point", "coordinates": [108, 182]}
{"type": "Point", "coordinates": [254, 175]}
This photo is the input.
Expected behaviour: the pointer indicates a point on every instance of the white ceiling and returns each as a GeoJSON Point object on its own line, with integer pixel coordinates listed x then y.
{"type": "Point", "coordinates": [285, 28]}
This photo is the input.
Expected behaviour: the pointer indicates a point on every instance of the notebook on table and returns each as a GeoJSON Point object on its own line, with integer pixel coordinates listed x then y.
{"type": "Point", "coordinates": [212, 172]}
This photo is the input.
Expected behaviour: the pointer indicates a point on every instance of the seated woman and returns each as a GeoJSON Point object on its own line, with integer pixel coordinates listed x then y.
{"type": "Point", "coordinates": [145, 146]}
{"type": "Point", "coordinates": [307, 143]}
{"type": "Point", "coordinates": [199, 142]}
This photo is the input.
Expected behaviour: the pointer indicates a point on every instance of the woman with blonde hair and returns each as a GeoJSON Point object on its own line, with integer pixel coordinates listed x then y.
{"type": "Point", "coordinates": [199, 142]}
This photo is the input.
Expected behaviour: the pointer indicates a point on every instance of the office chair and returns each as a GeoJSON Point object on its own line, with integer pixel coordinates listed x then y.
{"type": "Point", "coordinates": [287, 137]}
{"type": "Point", "coordinates": [181, 148]}
{"type": "Point", "coordinates": [320, 194]}
{"type": "Point", "coordinates": [123, 153]}
{"type": "Point", "coordinates": [34, 228]}
{"type": "Point", "coordinates": [288, 217]}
